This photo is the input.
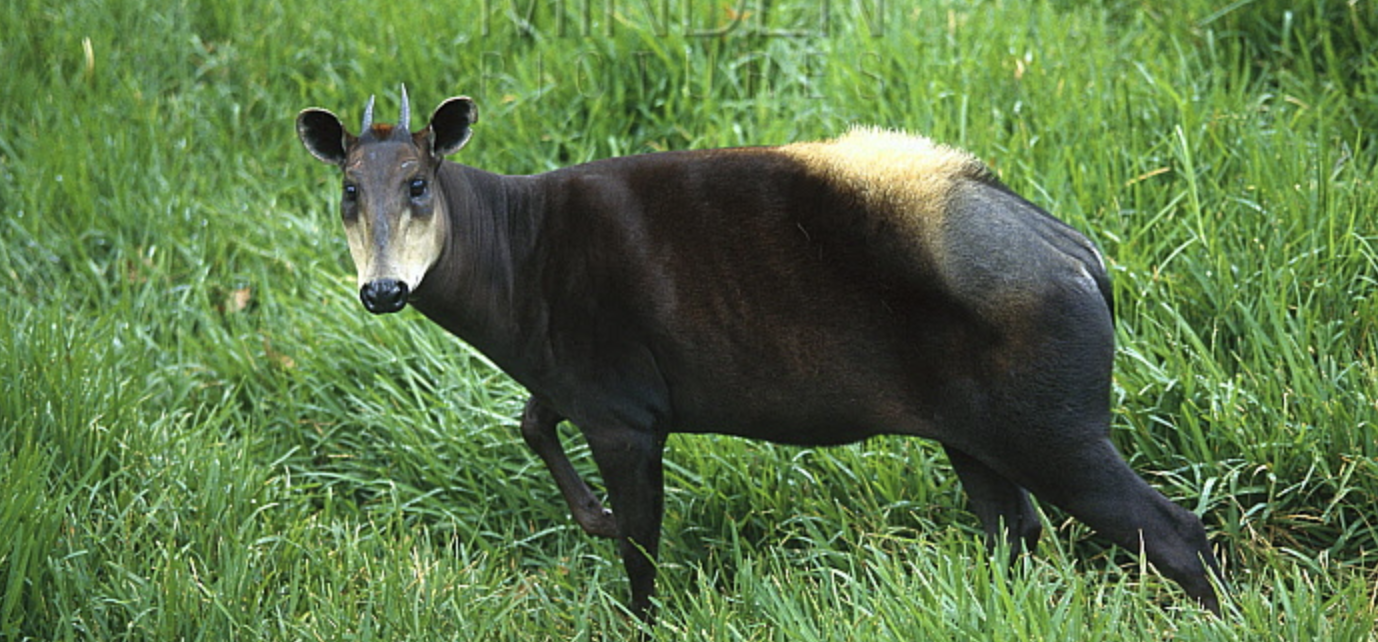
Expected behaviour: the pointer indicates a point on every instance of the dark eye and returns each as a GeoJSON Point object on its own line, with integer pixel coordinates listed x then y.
{"type": "Point", "coordinates": [418, 187]}
{"type": "Point", "coordinates": [351, 191]}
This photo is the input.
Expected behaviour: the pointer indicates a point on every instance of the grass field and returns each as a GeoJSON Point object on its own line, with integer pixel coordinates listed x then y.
{"type": "Point", "coordinates": [203, 436]}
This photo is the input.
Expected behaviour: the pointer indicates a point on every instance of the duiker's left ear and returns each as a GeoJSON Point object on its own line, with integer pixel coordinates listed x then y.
{"type": "Point", "coordinates": [450, 125]}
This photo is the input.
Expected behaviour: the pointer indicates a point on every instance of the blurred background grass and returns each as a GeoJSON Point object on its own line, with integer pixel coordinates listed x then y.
{"type": "Point", "coordinates": [203, 435]}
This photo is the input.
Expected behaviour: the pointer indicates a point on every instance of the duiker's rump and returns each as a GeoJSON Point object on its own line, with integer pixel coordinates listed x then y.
{"type": "Point", "coordinates": [814, 293]}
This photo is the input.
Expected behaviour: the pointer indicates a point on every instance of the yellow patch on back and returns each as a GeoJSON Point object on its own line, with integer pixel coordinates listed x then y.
{"type": "Point", "coordinates": [895, 174]}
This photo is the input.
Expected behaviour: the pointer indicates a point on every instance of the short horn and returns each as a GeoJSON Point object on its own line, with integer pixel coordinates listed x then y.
{"type": "Point", "coordinates": [368, 116]}
{"type": "Point", "coordinates": [404, 119]}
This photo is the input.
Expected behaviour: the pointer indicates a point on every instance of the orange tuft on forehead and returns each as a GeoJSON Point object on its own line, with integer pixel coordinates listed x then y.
{"type": "Point", "coordinates": [381, 130]}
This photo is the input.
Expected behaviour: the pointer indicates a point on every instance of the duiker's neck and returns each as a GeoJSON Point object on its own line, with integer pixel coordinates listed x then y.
{"type": "Point", "coordinates": [472, 290]}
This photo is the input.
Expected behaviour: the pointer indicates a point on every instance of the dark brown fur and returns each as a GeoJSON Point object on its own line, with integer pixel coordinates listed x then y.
{"type": "Point", "coordinates": [767, 293]}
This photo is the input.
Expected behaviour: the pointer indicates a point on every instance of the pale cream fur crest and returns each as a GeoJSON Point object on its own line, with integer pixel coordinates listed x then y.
{"type": "Point", "coordinates": [903, 175]}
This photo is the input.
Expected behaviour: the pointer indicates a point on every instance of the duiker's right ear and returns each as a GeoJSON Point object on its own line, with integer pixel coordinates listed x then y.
{"type": "Point", "coordinates": [323, 135]}
{"type": "Point", "coordinates": [450, 125]}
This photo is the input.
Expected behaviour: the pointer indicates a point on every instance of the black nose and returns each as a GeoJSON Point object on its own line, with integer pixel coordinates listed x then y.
{"type": "Point", "coordinates": [384, 295]}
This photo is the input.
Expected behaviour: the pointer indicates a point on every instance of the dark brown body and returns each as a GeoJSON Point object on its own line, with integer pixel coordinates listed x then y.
{"type": "Point", "coordinates": [811, 294]}
{"type": "Point", "coordinates": [650, 289]}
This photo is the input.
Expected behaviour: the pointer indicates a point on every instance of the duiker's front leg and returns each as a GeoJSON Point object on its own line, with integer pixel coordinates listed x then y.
{"type": "Point", "coordinates": [630, 462]}
{"type": "Point", "coordinates": [538, 429]}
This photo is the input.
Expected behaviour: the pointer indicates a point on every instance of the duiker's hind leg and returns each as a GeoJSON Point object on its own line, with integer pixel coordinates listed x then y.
{"type": "Point", "coordinates": [1004, 508]}
{"type": "Point", "coordinates": [1092, 482]}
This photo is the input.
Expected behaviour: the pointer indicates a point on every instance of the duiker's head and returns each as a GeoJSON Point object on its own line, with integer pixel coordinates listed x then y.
{"type": "Point", "coordinates": [393, 214]}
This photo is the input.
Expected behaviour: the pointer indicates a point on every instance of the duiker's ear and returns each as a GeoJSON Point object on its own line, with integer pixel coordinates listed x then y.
{"type": "Point", "coordinates": [450, 125]}
{"type": "Point", "coordinates": [323, 135]}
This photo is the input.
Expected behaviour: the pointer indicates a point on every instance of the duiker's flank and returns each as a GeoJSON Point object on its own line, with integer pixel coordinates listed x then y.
{"type": "Point", "coordinates": [814, 293]}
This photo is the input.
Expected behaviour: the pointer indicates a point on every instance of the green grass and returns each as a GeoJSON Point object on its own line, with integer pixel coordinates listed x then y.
{"type": "Point", "coordinates": [204, 436]}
